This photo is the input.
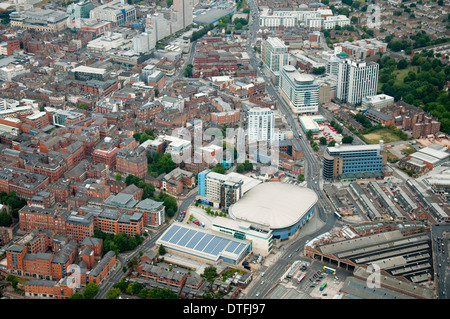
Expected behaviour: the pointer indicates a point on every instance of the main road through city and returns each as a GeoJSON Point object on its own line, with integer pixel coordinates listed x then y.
{"type": "Point", "coordinates": [312, 176]}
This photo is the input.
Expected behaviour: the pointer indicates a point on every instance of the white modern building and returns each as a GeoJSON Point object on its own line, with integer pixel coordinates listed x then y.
{"type": "Point", "coordinates": [261, 124]}
{"type": "Point", "coordinates": [299, 90]}
{"type": "Point", "coordinates": [7, 73]}
{"type": "Point", "coordinates": [260, 236]}
{"type": "Point", "coordinates": [333, 21]}
{"type": "Point", "coordinates": [317, 19]}
{"type": "Point", "coordinates": [39, 19]}
{"type": "Point", "coordinates": [356, 80]}
{"type": "Point", "coordinates": [273, 19]}
{"type": "Point", "coordinates": [144, 42]}
{"type": "Point", "coordinates": [274, 53]}
{"type": "Point", "coordinates": [117, 12]}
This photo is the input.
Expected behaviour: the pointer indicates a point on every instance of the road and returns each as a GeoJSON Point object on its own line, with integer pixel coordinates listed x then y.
{"type": "Point", "coordinates": [312, 175]}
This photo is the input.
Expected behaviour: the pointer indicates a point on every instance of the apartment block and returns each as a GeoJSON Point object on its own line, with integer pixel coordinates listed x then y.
{"type": "Point", "coordinates": [131, 162]}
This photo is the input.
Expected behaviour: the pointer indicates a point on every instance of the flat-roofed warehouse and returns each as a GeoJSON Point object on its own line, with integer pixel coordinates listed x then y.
{"type": "Point", "coordinates": [208, 246]}
{"type": "Point", "coordinates": [403, 255]}
{"type": "Point", "coordinates": [284, 208]}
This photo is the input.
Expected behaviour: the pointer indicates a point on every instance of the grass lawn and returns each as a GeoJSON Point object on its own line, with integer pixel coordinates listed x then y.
{"type": "Point", "coordinates": [381, 134]}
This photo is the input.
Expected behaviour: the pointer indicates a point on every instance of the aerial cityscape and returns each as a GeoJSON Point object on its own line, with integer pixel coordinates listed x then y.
{"type": "Point", "coordinates": [225, 150]}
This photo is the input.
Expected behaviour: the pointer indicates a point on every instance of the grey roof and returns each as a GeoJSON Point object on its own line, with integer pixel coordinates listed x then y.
{"type": "Point", "coordinates": [121, 200]}
{"type": "Point", "coordinates": [41, 282]}
{"type": "Point", "coordinates": [378, 114]}
{"type": "Point", "coordinates": [150, 205]}
{"type": "Point", "coordinates": [102, 263]}
{"type": "Point", "coordinates": [91, 241]}
{"type": "Point", "coordinates": [16, 248]}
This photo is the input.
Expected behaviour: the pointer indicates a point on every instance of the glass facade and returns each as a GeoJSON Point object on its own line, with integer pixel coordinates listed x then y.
{"type": "Point", "coordinates": [355, 161]}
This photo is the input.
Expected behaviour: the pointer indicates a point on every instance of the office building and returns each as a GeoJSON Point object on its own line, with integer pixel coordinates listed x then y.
{"type": "Point", "coordinates": [261, 124]}
{"type": "Point", "coordinates": [79, 10]}
{"type": "Point", "coordinates": [144, 42]}
{"type": "Point", "coordinates": [356, 80]}
{"type": "Point", "coordinates": [299, 90]}
{"type": "Point", "coordinates": [117, 12]}
{"type": "Point", "coordinates": [378, 101]}
{"type": "Point", "coordinates": [39, 19]}
{"type": "Point", "coordinates": [183, 9]}
{"type": "Point", "coordinates": [274, 54]}
{"type": "Point", "coordinates": [353, 162]}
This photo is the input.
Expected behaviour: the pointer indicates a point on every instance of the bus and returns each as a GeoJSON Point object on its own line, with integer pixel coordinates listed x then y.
{"type": "Point", "coordinates": [323, 286]}
{"type": "Point", "coordinates": [329, 270]}
{"type": "Point", "coordinates": [301, 278]}
{"type": "Point", "coordinates": [338, 216]}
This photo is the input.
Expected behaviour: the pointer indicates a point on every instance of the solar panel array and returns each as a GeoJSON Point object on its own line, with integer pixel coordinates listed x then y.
{"type": "Point", "coordinates": [201, 241]}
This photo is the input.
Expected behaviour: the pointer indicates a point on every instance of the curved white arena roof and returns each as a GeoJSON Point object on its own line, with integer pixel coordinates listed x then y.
{"type": "Point", "coordinates": [275, 204]}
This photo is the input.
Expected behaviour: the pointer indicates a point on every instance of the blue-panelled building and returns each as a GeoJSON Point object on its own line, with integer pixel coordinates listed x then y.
{"type": "Point", "coordinates": [205, 245]}
{"type": "Point", "coordinates": [353, 162]}
{"type": "Point", "coordinates": [287, 232]}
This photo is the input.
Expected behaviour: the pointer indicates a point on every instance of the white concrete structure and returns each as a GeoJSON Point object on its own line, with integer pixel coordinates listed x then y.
{"type": "Point", "coordinates": [261, 124]}
{"type": "Point", "coordinates": [10, 71]}
{"type": "Point", "coordinates": [356, 80]}
{"type": "Point", "coordinates": [144, 42]}
{"type": "Point", "coordinates": [299, 90]}
{"type": "Point", "coordinates": [274, 53]}
{"type": "Point", "coordinates": [284, 208]}
{"type": "Point", "coordinates": [117, 12]}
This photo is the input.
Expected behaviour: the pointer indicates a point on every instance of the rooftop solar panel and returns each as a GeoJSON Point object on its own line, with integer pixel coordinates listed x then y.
{"type": "Point", "coordinates": [239, 249]}
{"type": "Point", "coordinates": [177, 236]}
{"type": "Point", "coordinates": [170, 232]}
{"type": "Point", "coordinates": [202, 242]}
{"type": "Point", "coordinates": [220, 246]}
{"type": "Point", "coordinates": [183, 241]}
{"type": "Point", "coordinates": [232, 246]}
{"type": "Point", "coordinates": [212, 244]}
{"type": "Point", "coordinates": [201, 245]}
{"type": "Point", "coordinates": [195, 240]}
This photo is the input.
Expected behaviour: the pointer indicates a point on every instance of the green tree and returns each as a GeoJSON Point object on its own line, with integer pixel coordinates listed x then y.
{"type": "Point", "coordinates": [209, 273]}
{"type": "Point", "coordinates": [332, 143]}
{"type": "Point", "coordinates": [188, 70]}
{"type": "Point", "coordinates": [118, 177]}
{"type": "Point", "coordinates": [90, 291]}
{"type": "Point", "coordinates": [323, 140]}
{"type": "Point", "coordinates": [347, 139]}
{"type": "Point", "coordinates": [301, 178]}
{"type": "Point", "coordinates": [113, 293]}
{"type": "Point", "coordinates": [5, 219]}
{"type": "Point", "coordinates": [402, 64]}
{"type": "Point", "coordinates": [13, 280]}
{"type": "Point", "coordinates": [121, 285]}
{"type": "Point", "coordinates": [161, 250]}
{"type": "Point", "coordinates": [76, 296]}
{"type": "Point", "coordinates": [219, 169]}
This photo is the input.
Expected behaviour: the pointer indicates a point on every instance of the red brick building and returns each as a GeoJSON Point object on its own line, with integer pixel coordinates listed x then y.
{"type": "Point", "coordinates": [105, 151]}
{"type": "Point", "coordinates": [131, 162]}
